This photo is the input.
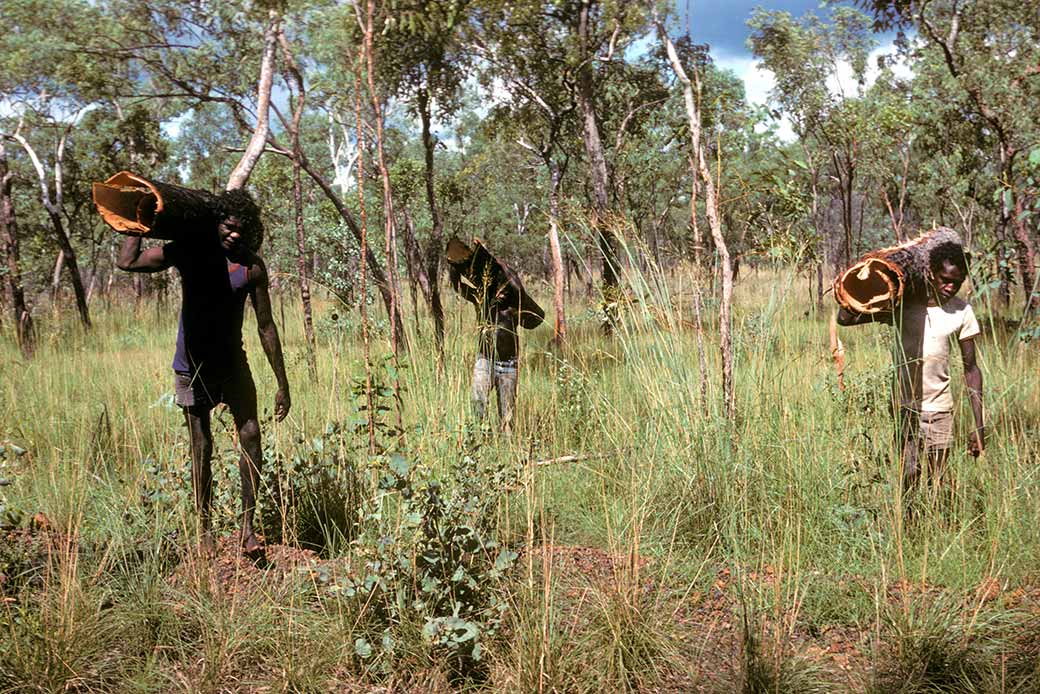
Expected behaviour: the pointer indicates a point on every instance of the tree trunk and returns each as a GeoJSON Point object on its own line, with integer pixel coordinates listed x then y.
{"type": "Point", "coordinates": [21, 316]}
{"type": "Point", "coordinates": [73, 267]}
{"type": "Point", "coordinates": [1011, 207]}
{"type": "Point", "coordinates": [370, 412]}
{"type": "Point", "coordinates": [59, 265]}
{"type": "Point", "coordinates": [598, 172]}
{"type": "Point", "coordinates": [412, 265]}
{"type": "Point", "coordinates": [435, 246]}
{"type": "Point", "coordinates": [302, 265]}
{"type": "Point", "coordinates": [698, 299]}
{"type": "Point", "coordinates": [53, 209]}
{"type": "Point", "coordinates": [714, 223]}
{"type": "Point", "coordinates": [258, 140]}
{"type": "Point", "coordinates": [560, 322]}
{"type": "Point", "coordinates": [414, 253]}
{"type": "Point", "coordinates": [390, 247]}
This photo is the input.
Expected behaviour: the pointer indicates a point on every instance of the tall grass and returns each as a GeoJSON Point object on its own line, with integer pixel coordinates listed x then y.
{"type": "Point", "coordinates": [643, 500]}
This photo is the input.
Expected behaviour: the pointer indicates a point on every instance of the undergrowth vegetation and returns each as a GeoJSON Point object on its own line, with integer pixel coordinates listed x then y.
{"type": "Point", "coordinates": [626, 536]}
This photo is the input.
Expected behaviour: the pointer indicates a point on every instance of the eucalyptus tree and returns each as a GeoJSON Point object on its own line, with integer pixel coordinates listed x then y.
{"type": "Point", "coordinates": [13, 289]}
{"type": "Point", "coordinates": [991, 50]}
{"type": "Point", "coordinates": [333, 35]}
{"type": "Point", "coordinates": [692, 92]}
{"type": "Point", "coordinates": [806, 56]}
{"type": "Point", "coordinates": [50, 76]}
{"type": "Point", "coordinates": [423, 59]}
{"type": "Point", "coordinates": [539, 113]}
{"type": "Point", "coordinates": [585, 42]}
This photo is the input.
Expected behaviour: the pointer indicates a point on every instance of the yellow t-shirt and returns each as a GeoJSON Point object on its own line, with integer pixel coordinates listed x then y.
{"type": "Point", "coordinates": [954, 319]}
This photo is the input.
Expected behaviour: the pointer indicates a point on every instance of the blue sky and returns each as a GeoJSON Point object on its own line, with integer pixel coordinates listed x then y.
{"type": "Point", "coordinates": [722, 24]}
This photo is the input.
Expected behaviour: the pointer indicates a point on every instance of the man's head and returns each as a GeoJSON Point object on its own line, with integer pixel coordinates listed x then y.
{"type": "Point", "coordinates": [948, 270]}
{"type": "Point", "coordinates": [238, 221]}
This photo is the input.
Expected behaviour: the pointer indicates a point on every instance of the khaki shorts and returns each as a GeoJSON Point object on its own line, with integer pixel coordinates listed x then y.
{"type": "Point", "coordinates": [937, 430]}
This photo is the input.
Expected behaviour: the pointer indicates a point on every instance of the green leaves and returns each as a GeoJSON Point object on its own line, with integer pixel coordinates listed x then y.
{"type": "Point", "coordinates": [431, 558]}
{"type": "Point", "coordinates": [1034, 157]}
{"type": "Point", "coordinates": [363, 648]}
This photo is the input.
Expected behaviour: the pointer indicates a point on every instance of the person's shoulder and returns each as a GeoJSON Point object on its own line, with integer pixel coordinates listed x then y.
{"type": "Point", "coordinates": [256, 268]}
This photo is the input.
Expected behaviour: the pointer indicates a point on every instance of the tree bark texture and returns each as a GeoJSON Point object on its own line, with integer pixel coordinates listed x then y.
{"type": "Point", "coordinates": [302, 266]}
{"type": "Point", "coordinates": [133, 204]}
{"type": "Point", "coordinates": [598, 171]}
{"type": "Point", "coordinates": [435, 246]}
{"type": "Point", "coordinates": [14, 290]}
{"type": "Point", "coordinates": [560, 321]}
{"type": "Point", "coordinates": [714, 223]}
{"type": "Point", "coordinates": [258, 140]}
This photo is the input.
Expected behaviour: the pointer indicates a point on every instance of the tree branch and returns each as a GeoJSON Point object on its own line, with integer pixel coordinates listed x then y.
{"type": "Point", "coordinates": [255, 147]}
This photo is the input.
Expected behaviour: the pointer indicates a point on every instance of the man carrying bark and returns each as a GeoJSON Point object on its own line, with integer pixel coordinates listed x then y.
{"type": "Point", "coordinates": [928, 321]}
{"type": "Point", "coordinates": [502, 307]}
{"type": "Point", "coordinates": [219, 268]}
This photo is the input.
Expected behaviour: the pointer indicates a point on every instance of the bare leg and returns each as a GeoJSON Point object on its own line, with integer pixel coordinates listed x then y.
{"type": "Point", "coordinates": [249, 465]}
{"type": "Point", "coordinates": [483, 381]}
{"type": "Point", "coordinates": [505, 381]}
{"type": "Point", "coordinates": [197, 419]}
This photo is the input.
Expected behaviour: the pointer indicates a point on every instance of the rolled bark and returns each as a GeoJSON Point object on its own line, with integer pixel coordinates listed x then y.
{"type": "Point", "coordinates": [492, 279]}
{"type": "Point", "coordinates": [882, 278]}
{"type": "Point", "coordinates": [134, 205]}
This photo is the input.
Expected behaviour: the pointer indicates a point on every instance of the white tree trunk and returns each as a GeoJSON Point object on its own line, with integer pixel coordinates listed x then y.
{"type": "Point", "coordinates": [258, 140]}
{"type": "Point", "coordinates": [714, 223]}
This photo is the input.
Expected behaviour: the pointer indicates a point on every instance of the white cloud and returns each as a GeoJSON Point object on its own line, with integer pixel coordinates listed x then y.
{"type": "Point", "coordinates": [759, 82]}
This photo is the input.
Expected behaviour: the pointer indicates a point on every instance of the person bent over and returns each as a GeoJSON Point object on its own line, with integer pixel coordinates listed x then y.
{"type": "Point", "coordinates": [501, 311]}
{"type": "Point", "coordinates": [927, 325]}
{"type": "Point", "coordinates": [219, 270]}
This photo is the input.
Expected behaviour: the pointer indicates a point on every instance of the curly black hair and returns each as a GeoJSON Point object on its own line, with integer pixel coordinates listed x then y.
{"type": "Point", "coordinates": [948, 252]}
{"type": "Point", "coordinates": [239, 203]}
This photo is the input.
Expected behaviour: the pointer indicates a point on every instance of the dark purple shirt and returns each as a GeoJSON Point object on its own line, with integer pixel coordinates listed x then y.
{"type": "Point", "coordinates": [209, 335]}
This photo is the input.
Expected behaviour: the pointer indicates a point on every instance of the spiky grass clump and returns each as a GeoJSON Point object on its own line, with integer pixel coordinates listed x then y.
{"type": "Point", "coordinates": [932, 648]}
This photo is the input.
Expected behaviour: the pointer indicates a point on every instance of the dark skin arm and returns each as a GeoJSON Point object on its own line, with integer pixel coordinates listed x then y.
{"type": "Point", "coordinates": [973, 379]}
{"type": "Point", "coordinates": [268, 333]}
{"type": "Point", "coordinates": [849, 318]}
{"type": "Point", "coordinates": [133, 259]}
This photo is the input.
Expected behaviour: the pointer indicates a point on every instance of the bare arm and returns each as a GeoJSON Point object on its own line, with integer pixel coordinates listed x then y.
{"type": "Point", "coordinates": [133, 259]}
{"type": "Point", "coordinates": [848, 318]}
{"type": "Point", "coordinates": [973, 379]}
{"type": "Point", "coordinates": [268, 333]}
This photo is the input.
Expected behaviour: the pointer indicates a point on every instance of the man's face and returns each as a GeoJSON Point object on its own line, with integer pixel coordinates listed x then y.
{"type": "Point", "coordinates": [947, 281]}
{"type": "Point", "coordinates": [230, 234]}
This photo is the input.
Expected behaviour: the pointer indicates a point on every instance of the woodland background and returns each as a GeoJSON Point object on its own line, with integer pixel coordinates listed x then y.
{"type": "Point", "coordinates": [690, 500]}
